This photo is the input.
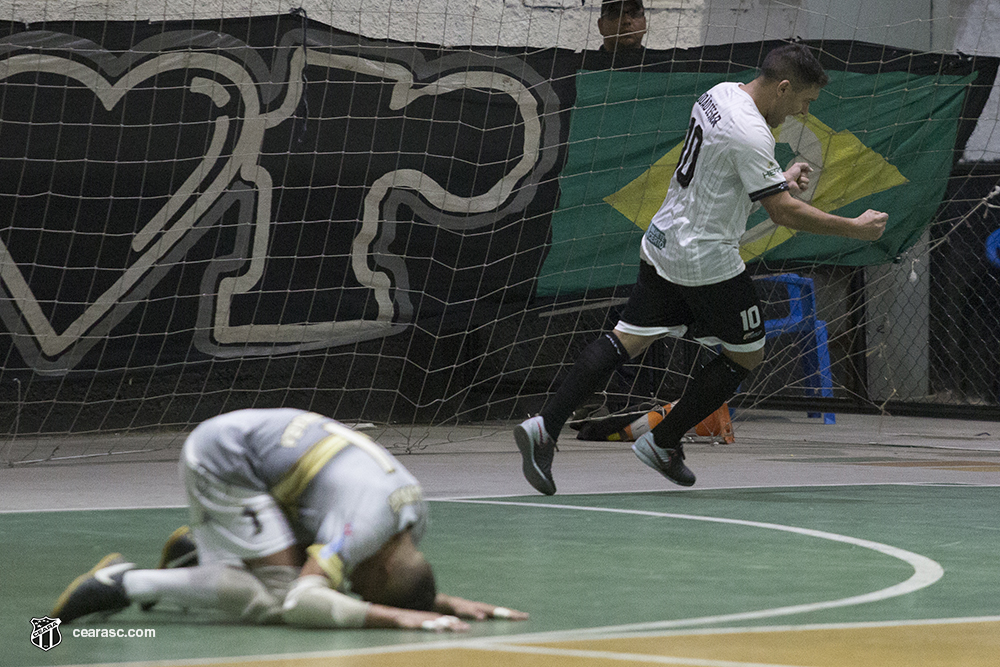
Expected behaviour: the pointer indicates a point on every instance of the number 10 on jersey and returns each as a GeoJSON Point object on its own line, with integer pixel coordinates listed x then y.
{"type": "Point", "coordinates": [751, 318]}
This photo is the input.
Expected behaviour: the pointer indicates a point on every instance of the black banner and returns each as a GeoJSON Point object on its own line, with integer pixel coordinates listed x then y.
{"type": "Point", "coordinates": [213, 189]}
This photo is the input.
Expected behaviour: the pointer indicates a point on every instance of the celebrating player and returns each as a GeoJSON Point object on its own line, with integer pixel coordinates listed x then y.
{"type": "Point", "coordinates": [692, 280]}
{"type": "Point", "coordinates": [288, 509]}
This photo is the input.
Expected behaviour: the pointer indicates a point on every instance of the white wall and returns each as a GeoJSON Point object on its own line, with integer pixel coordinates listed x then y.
{"type": "Point", "coordinates": [922, 24]}
{"type": "Point", "coordinates": [978, 33]}
{"type": "Point", "coordinates": [969, 26]}
{"type": "Point", "coordinates": [538, 23]}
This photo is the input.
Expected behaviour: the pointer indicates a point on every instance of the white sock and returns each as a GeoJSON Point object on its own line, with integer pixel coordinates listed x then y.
{"type": "Point", "coordinates": [183, 586]}
{"type": "Point", "coordinates": [232, 590]}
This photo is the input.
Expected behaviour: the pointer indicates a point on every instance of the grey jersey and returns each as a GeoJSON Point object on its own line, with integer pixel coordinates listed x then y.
{"type": "Point", "coordinates": [343, 494]}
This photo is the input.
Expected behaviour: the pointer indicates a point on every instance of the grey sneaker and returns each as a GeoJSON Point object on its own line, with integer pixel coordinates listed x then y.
{"type": "Point", "coordinates": [99, 591]}
{"type": "Point", "coordinates": [537, 449]}
{"type": "Point", "coordinates": [667, 462]}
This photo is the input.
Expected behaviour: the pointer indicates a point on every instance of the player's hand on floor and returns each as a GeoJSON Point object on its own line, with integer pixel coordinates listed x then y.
{"type": "Point", "coordinates": [427, 620]}
{"type": "Point", "coordinates": [479, 611]}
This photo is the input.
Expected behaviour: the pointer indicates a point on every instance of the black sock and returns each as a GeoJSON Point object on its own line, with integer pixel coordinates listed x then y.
{"type": "Point", "coordinates": [590, 373]}
{"type": "Point", "coordinates": [712, 385]}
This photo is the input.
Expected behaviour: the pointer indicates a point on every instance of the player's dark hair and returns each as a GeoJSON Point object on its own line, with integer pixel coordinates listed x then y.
{"type": "Point", "coordinates": [414, 590]}
{"type": "Point", "coordinates": [796, 63]}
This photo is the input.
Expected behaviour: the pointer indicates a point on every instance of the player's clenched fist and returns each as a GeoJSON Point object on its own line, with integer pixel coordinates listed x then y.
{"type": "Point", "coordinates": [870, 225]}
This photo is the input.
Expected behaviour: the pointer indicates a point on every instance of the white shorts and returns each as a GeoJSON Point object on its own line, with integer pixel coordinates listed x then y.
{"type": "Point", "coordinates": [232, 523]}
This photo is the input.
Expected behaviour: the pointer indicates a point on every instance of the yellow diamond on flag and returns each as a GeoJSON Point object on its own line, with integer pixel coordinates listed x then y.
{"type": "Point", "coordinates": [641, 199]}
{"type": "Point", "coordinates": [836, 157]}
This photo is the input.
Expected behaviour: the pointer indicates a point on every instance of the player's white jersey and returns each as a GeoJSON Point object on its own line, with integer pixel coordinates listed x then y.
{"type": "Point", "coordinates": [727, 163]}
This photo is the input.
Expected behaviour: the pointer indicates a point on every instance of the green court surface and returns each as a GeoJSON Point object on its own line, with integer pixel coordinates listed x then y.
{"type": "Point", "coordinates": [803, 573]}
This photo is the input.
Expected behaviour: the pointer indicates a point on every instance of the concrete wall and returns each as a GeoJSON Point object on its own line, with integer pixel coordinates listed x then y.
{"type": "Point", "coordinates": [567, 23]}
{"type": "Point", "coordinates": [918, 24]}
{"type": "Point", "coordinates": [970, 26]}
{"type": "Point", "coordinates": [978, 33]}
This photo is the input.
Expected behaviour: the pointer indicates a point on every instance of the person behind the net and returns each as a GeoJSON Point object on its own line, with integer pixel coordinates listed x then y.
{"type": "Point", "coordinates": [622, 25]}
{"type": "Point", "coordinates": [295, 518]}
{"type": "Point", "coordinates": [692, 281]}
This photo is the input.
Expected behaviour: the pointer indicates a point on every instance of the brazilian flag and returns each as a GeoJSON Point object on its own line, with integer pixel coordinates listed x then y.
{"type": "Point", "coordinates": [882, 135]}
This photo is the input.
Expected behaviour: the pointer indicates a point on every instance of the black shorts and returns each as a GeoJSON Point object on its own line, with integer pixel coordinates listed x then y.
{"type": "Point", "coordinates": [726, 313]}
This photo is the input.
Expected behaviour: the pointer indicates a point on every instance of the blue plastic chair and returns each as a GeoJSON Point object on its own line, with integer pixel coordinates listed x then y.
{"type": "Point", "coordinates": [811, 332]}
{"type": "Point", "coordinates": [993, 248]}
{"type": "Point", "coordinates": [993, 255]}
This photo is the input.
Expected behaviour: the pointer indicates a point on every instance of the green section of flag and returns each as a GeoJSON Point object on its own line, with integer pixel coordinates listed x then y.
{"type": "Point", "coordinates": [625, 124]}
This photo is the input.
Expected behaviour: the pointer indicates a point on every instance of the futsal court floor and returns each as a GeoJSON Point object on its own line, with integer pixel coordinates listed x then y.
{"type": "Point", "coordinates": [871, 542]}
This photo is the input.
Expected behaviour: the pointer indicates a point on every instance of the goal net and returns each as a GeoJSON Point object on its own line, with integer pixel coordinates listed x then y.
{"type": "Point", "coordinates": [408, 214]}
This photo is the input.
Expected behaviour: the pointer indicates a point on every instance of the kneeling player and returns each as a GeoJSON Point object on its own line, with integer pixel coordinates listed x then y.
{"type": "Point", "coordinates": [291, 512]}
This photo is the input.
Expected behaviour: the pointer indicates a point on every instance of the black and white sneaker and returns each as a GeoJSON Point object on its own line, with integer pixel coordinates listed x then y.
{"type": "Point", "coordinates": [179, 550]}
{"type": "Point", "coordinates": [99, 591]}
{"type": "Point", "coordinates": [667, 462]}
{"type": "Point", "coordinates": [537, 450]}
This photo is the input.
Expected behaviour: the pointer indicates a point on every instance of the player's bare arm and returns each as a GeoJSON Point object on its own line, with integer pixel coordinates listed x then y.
{"type": "Point", "coordinates": [312, 602]}
{"type": "Point", "coordinates": [789, 212]}
{"type": "Point", "coordinates": [380, 616]}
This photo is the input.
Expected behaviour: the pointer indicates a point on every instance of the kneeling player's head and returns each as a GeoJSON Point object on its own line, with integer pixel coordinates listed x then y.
{"type": "Point", "coordinates": [397, 575]}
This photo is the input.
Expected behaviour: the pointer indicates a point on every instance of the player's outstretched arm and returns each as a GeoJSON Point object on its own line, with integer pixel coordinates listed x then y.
{"type": "Point", "coordinates": [380, 616]}
{"type": "Point", "coordinates": [789, 212]}
{"type": "Point", "coordinates": [311, 603]}
{"type": "Point", "coordinates": [478, 611]}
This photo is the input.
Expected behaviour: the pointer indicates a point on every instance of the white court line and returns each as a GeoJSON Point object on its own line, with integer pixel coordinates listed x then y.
{"type": "Point", "coordinates": [806, 627]}
{"type": "Point", "coordinates": [721, 487]}
{"type": "Point", "coordinates": [94, 509]}
{"type": "Point", "coordinates": [480, 643]}
{"type": "Point", "coordinates": [630, 491]}
{"type": "Point", "coordinates": [702, 662]}
{"type": "Point", "coordinates": [624, 657]}
{"type": "Point", "coordinates": [925, 573]}
{"type": "Point", "coordinates": [531, 650]}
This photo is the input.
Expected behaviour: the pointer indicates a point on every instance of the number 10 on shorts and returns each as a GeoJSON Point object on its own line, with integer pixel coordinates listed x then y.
{"type": "Point", "coordinates": [751, 318]}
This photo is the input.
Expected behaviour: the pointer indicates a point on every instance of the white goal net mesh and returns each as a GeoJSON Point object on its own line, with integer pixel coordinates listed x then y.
{"type": "Point", "coordinates": [418, 213]}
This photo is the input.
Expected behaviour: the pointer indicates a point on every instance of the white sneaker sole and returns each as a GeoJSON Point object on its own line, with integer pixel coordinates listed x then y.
{"type": "Point", "coordinates": [526, 444]}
